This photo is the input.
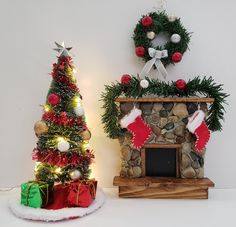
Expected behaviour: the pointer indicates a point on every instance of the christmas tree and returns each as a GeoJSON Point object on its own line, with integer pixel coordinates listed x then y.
{"type": "Point", "coordinates": [62, 153]}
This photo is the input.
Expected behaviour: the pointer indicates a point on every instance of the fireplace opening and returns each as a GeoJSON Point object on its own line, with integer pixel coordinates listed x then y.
{"type": "Point", "coordinates": [161, 162]}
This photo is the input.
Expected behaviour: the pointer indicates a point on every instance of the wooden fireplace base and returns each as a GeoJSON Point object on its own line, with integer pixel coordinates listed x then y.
{"type": "Point", "coordinates": [162, 187]}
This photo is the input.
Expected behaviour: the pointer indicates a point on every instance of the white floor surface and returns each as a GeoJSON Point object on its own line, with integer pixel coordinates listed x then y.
{"type": "Point", "coordinates": [218, 211]}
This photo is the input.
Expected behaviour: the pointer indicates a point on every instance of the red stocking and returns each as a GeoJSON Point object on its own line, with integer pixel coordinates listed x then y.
{"type": "Point", "coordinates": [197, 125]}
{"type": "Point", "coordinates": [137, 127]}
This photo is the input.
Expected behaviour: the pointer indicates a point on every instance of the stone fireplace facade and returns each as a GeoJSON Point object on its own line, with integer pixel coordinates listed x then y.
{"type": "Point", "coordinates": [168, 122]}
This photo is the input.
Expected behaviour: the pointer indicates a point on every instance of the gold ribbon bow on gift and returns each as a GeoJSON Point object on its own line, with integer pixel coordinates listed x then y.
{"type": "Point", "coordinates": [156, 56]}
{"type": "Point", "coordinates": [92, 190]}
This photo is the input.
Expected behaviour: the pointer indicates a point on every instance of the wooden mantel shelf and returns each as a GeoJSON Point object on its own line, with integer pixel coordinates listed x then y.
{"type": "Point", "coordinates": [163, 187]}
{"type": "Point", "coordinates": [166, 99]}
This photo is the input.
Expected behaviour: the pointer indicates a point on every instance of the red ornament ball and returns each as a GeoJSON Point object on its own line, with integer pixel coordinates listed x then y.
{"type": "Point", "coordinates": [181, 84]}
{"type": "Point", "coordinates": [146, 21]}
{"type": "Point", "coordinates": [140, 51]}
{"type": "Point", "coordinates": [53, 99]}
{"type": "Point", "coordinates": [176, 57]}
{"type": "Point", "coordinates": [125, 79]}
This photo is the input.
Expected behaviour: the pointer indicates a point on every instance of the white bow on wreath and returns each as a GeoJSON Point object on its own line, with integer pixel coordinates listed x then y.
{"type": "Point", "coordinates": [156, 56]}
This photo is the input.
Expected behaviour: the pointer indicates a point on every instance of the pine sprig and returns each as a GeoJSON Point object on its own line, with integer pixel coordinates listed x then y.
{"type": "Point", "coordinates": [197, 87]}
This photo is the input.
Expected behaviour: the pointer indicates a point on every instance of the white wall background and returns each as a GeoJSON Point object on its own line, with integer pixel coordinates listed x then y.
{"type": "Point", "coordinates": [100, 33]}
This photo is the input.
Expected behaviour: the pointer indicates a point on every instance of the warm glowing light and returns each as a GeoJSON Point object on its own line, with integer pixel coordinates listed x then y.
{"type": "Point", "coordinates": [86, 146]}
{"type": "Point", "coordinates": [60, 139]}
{"type": "Point", "coordinates": [36, 166]}
{"type": "Point", "coordinates": [46, 108]}
{"type": "Point", "coordinates": [74, 70]}
{"type": "Point", "coordinates": [58, 170]}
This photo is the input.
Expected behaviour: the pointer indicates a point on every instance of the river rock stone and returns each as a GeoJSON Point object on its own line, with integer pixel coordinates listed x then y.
{"type": "Point", "coordinates": [191, 107]}
{"type": "Point", "coordinates": [201, 173]}
{"type": "Point", "coordinates": [168, 106]}
{"type": "Point", "coordinates": [160, 139]}
{"type": "Point", "coordinates": [203, 107]}
{"type": "Point", "coordinates": [130, 172]}
{"type": "Point", "coordinates": [180, 139]}
{"type": "Point", "coordinates": [196, 165]}
{"type": "Point", "coordinates": [127, 139]}
{"type": "Point", "coordinates": [170, 135]}
{"type": "Point", "coordinates": [186, 162]}
{"type": "Point", "coordinates": [180, 110]}
{"type": "Point", "coordinates": [189, 172]}
{"type": "Point", "coordinates": [135, 154]}
{"type": "Point", "coordinates": [125, 108]}
{"type": "Point", "coordinates": [146, 108]}
{"type": "Point", "coordinates": [198, 161]}
{"type": "Point", "coordinates": [154, 118]}
{"type": "Point", "coordinates": [188, 137]}
{"type": "Point", "coordinates": [185, 120]}
{"type": "Point", "coordinates": [163, 113]}
{"type": "Point", "coordinates": [186, 147]}
{"type": "Point", "coordinates": [180, 131]}
{"type": "Point", "coordinates": [151, 138]}
{"type": "Point", "coordinates": [156, 130]}
{"type": "Point", "coordinates": [137, 171]}
{"type": "Point", "coordinates": [163, 122]}
{"type": "Point", "coordinates": [157, 107]}
{"type": "Point", "coordinates": [126, 153]}
{"type": "Point", "coordinates": [123, 172]}
{"type": "Point", "coordinates": [169, 126]}
{"type": "Point", "coordinates": [173, 119]}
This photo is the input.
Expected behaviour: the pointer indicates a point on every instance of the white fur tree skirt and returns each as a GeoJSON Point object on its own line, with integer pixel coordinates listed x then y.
{"type": "Point", "coordinates": [39, 214]}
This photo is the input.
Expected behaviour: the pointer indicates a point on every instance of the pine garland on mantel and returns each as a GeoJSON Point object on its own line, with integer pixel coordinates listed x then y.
{"type": "Point", "coordinates": [197, 87]}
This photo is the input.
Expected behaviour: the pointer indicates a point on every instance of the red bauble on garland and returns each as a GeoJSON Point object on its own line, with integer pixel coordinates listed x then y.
{"type": "Point", "coordinates": [125, 79]}
{"type": "Point", "coordinates": [176, 57]}
{"type": "Point", "coordinates": [140, 51]}
{"type": "Point", "coordinates": [53, 99]}
{"type": "Point", "coordinates": [181, 84]}
{"type": "Point", "coordinates": [146, 21]}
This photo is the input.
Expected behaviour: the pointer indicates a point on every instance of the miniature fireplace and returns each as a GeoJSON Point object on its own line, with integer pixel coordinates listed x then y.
{"type": "Point", "coordinates": [167, 166]}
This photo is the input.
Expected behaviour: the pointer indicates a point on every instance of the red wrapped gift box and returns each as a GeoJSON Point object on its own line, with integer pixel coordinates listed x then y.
{"type": "Point", "coordinates": [82, 193]}
{"type": "Point", "coordinates": [60, 195]}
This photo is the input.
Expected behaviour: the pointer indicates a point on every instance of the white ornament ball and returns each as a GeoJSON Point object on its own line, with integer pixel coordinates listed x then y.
{"type": "Point", "coordinates": [79, 110]}
{"type": "Point", "coordinates": [144, 83]}
{"type": "Point", "coordinates": [151, 35]}
{"type": "Point", "coordinates": [75, 174]}
{"type": "Point", "coordinates": [63, 146]}
{"type": "Point", "coordinates": [175, 38]}
{"type": "Point", "coordinates": [172, 18]}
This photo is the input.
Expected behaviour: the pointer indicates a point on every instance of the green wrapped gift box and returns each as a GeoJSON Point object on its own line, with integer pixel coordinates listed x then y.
{"type": "Point", "coordinates": [36, 194]}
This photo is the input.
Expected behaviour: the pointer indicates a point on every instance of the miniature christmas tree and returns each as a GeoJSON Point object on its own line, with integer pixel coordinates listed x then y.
{"type": "Point", "coordinates": [63, 155]}
{"type": "Point", "coordinates": [62, 151]}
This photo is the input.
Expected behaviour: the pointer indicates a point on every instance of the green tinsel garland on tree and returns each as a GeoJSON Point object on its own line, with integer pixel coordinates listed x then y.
{"type": "Point", "coordinates": [196, 87]}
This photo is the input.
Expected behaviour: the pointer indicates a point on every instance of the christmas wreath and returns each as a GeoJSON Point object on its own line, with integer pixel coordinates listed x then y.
{"type": "Point", "coordinates": [133, 87]}
{"type": "Point", "coordinates": [150, 26]}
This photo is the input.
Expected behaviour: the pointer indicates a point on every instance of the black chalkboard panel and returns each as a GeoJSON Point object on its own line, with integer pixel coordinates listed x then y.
{"type": "Point", "coordinates": [160, 162]}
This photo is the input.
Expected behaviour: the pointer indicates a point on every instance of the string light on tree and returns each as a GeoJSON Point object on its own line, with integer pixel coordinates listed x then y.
{"type": "Point", "coordinates": [86, 146]}
{"type": "Point", "coordinates": [46, 108]}
{"type": "Point", "coordinates": [58, 170]}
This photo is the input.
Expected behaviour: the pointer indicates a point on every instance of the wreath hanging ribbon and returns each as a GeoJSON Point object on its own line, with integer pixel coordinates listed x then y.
{"type": "Point", "coordinates": [156, 56]}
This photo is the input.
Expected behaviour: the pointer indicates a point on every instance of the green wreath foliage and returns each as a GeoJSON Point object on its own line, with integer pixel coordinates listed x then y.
{"type": "Point", "coordinates": [197, 87]}
{"type": "Point", "coordinates": [161, 23]}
